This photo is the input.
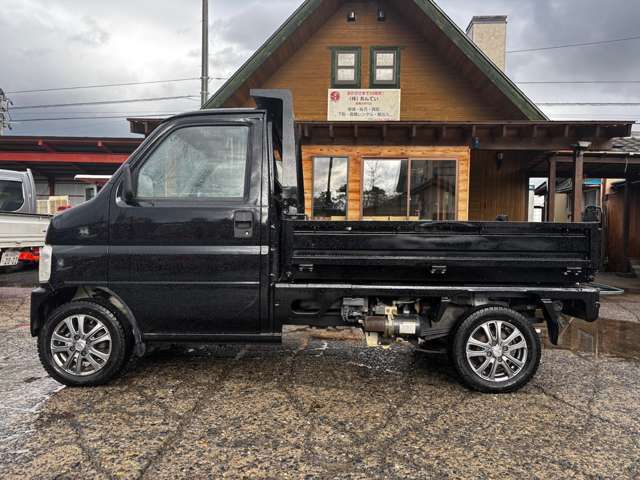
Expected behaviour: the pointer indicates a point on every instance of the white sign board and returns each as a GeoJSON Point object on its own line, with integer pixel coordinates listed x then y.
{"type": "Point", "coordinates": [358, 105]}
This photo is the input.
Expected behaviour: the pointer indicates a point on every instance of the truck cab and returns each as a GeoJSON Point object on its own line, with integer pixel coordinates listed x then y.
{"type": "Point", "coordinates": [17, 192]}
{"type": "Point", "coordinates": [199, 237]}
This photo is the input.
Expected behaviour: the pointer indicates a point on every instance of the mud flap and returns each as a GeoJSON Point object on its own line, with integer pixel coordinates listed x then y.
{"type": "Point", "coordinates": [553, 315]}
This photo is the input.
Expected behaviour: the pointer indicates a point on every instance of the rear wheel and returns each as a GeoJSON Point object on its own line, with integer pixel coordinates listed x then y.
{"type": "Point", "coordinates": [496, 350]}
{"type": "Point", "coordinates": [82, 344]}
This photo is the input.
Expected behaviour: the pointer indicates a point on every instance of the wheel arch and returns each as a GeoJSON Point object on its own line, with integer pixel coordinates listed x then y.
{"type": "Point", "coordinates": [40, 310]}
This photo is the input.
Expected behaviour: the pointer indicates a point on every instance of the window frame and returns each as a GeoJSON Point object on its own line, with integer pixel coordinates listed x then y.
{"type": "Point", "coordinates": [22, 193]}
{"type": "Point", "coordinates": [200, 201]}
{"type": "Point", "coordinates": [406, 217]}
{"type": "Point", "coordinates": [357, 82]}
{"type": "Point", "coordinates": [313, 181]}
{"type": "Point", "coordinates": [395, 83]}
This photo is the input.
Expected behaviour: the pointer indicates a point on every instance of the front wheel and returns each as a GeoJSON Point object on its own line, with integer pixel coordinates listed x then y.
{"type": "Point", "coordinates": [82, 344]}
{"type": "Point", "coordinates": [496, 350]}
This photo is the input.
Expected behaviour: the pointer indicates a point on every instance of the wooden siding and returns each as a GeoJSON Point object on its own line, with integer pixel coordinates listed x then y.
{"type": "Point", "coordinates": [498, 190]}
{"type": "Point", "coordinates": [614, 205]}
{"type": "Point", "coordinates": [432, 89]}
{"type": "Point", "coordinates": [357, 153]}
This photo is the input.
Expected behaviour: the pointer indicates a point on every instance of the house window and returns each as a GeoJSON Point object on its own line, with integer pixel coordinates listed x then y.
{"type": "Point", "coordinates": [330, 180]}
{"type": "Point", "coordinates": [398, 189]}
{"type": "Point", "coordinates": [385, 188]}
{"type": "Point", "coordinates": [385, 67]}
{"type": "Point", "coordinates": [346, 67]}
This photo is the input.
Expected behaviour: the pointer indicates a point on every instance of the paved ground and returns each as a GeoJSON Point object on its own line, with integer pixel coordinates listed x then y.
{"type": "Point", "coordinates": [316, 408]}
{"type": "Point", "coordinates": [25, 276]}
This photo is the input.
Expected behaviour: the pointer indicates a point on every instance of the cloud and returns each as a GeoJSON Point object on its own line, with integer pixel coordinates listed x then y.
{"type": "Point", "coordinates": [69, 42]}
{"type": "Point", "coordinates": [92, 34]}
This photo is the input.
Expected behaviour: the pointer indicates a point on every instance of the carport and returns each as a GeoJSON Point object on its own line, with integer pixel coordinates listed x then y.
{"type": "Point", "coordinates": [55, 161]}
{"type": "Point", "coordinates": [619, 167]}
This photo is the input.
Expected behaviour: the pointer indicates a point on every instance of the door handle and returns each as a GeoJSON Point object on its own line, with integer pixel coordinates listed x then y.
{"type": "Point", "coordinates": [243, 224]}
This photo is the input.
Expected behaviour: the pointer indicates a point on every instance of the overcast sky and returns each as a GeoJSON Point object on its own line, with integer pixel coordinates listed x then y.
{"type": "Point", "coordinates": [45, 44]}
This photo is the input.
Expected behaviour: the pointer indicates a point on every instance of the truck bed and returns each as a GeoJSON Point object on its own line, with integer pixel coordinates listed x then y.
{"type": "Point", "coordinates": [470, 253]}
{"type": "Point", "coordinates": [22, 230]}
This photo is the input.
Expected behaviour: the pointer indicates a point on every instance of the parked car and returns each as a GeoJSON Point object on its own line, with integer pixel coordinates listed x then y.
{"type": "Point", "coordinates": [21, 229]}
{"type": "Point", "coordinates": [199, 238]}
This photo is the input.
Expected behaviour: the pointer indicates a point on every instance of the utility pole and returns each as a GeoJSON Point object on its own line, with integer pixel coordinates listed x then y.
{"type": "Point", "coordinates": [4, 112]}
{"type": "Point", "coordinates": [204, 90]}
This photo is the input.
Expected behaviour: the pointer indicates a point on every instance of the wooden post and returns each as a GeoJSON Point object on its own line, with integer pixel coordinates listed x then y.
{"type": "Point", "coordinates": [52, 185]}
{"type": "Point", "coordinates": [578, 179]}
{"type": "Point", "coordinates": [551, 190]}
{"type": "Point", "coordinates": [626, 220]}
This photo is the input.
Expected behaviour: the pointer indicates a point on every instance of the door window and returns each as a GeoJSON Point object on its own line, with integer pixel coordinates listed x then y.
{"type": "Point", "coordinates": [200, 162]}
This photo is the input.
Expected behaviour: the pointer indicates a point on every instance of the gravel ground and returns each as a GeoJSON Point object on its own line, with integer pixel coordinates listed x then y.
{"type": "Point", "coordinates": [314, 407]}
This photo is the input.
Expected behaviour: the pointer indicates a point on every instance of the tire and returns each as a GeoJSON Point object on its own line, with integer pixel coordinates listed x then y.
{"type": "Point", "coordinates": [96, 358]}
{"type": "Point", "coordinates": [510, 365]}
{"type": "Point", "coordinates": [128, 331]}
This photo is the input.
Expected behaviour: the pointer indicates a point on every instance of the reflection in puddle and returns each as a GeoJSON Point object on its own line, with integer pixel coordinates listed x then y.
{"type": "Point", "coordinates": [601, 338]}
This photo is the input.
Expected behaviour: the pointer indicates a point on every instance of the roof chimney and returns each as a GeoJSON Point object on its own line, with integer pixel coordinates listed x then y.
{"type": "Point", "coordinates": [490, 35]}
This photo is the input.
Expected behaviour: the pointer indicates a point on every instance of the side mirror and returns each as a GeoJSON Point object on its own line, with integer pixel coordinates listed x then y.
{"type": "Point", "coordinates": [127, 185]}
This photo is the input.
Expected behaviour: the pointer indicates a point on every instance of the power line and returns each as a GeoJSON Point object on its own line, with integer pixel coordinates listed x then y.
{"type": "Point", "coordinates": [84, 118]}
{"type": "Point", "coordinates": [571, 45]}
{"type": "Point", "coordinates": [106, 85]}
{"type": "Point", "coordinates": [107, 102]}
{"type": "Point", "coordinates": [577, 82]}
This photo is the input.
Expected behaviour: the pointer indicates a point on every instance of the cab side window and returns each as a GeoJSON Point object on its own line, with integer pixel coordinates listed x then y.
{"type": "Point", "coordinates": [199, 162]}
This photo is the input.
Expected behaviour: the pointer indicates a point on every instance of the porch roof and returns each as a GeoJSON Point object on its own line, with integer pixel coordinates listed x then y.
{"type": "Point", "coordinates": [541, 136]}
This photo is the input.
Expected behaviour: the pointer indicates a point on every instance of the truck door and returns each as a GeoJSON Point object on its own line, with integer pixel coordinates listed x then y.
{"type": "Point", "coordinates": [185, 255]}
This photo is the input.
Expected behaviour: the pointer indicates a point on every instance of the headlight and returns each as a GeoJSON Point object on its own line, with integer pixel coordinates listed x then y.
{"type": "Point", "coordinates": [44, 271]}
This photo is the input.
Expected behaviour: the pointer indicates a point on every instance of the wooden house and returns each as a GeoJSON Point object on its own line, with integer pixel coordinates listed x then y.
{"type": "Point", "coordinates": [402, 116]}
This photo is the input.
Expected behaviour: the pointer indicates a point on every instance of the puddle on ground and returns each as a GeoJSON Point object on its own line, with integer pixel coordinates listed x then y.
{"type": "Point", "coordinates": [601, 338]}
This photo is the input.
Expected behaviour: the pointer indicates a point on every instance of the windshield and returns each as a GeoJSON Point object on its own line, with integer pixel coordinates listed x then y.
{"type": "Point", "coordinates": [11, 196]}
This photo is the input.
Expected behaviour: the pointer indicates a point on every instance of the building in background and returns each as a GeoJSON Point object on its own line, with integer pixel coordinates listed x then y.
{"type": "Point", "coordinates": [55, 161]}
{"type": "Point", "coordinates": [400, 115]}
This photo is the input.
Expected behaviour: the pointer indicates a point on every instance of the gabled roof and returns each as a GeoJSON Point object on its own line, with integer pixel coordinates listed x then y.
{"type": "Point", "coordinates": [437, 16]}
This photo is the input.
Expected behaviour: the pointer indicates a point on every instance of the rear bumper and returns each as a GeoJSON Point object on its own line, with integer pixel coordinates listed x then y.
{"type": "Point", "coordinates": [39, 297]}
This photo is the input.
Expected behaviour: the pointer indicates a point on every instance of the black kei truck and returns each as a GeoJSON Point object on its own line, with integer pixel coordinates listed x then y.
{"type": "Point", "coordinates": [199, 237]}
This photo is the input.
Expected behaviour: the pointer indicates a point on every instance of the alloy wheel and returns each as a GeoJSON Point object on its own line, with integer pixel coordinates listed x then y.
{"type": "Point", "coordinates": [497, 351]}
{"type": "Point", "coordinates": [81, 345]}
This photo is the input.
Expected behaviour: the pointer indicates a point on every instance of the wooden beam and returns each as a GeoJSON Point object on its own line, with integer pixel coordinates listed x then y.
{"type": "Point", "coordinates": [551, 190]}
{"type": "Point", "coordinates": [535, 132]}
{"type": "Point", "coordinates": [57, 157]}
{"type": "Point", "coordinates": [626, 221]}
{"type": "Point", "coordinates": [51, 180]}
{"type": "Point", "coordinates": [578, 180]}
{"type": "Point", "coordinates": [622, 160]}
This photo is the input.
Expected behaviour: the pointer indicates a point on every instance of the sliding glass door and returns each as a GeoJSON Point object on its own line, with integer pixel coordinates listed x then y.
{"type": "Point", "coordinates": [409, 189]}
